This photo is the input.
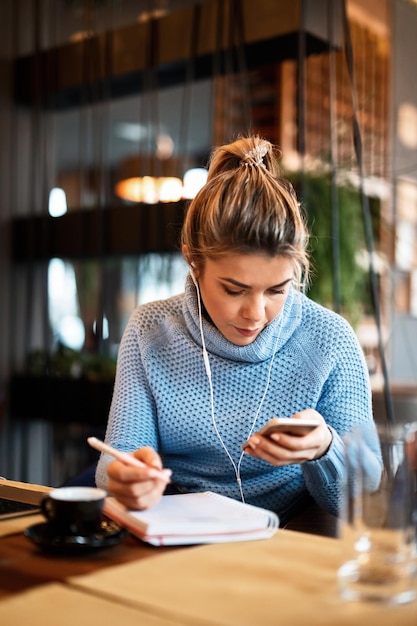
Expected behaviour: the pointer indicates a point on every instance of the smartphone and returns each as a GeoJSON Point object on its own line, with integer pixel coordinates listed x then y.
{"type": "Point", "coordinates": [289, 426]}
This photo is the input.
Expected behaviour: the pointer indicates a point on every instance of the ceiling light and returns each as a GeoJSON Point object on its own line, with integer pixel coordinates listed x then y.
{"type": "Point", "coordinates": [151, 180]}
{"type": "Point", "coordinates": [150, 189]}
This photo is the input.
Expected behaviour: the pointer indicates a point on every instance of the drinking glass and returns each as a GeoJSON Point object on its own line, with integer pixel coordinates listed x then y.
{"type": "Point", "coordinates": [378, 527]}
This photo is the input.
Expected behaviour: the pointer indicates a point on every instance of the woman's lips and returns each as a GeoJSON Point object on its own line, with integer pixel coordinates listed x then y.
{"type": "Point", "coordinates": [247, 332]}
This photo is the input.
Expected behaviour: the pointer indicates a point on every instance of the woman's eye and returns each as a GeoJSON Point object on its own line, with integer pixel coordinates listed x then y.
{"type": "Point", "coordinates": [229, 292]}
{"type": "Point", "coordinates": [233, 292]}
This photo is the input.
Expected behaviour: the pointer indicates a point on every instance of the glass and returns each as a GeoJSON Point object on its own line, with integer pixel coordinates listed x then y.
{"type": "Point", "coordinates": [378, 528]}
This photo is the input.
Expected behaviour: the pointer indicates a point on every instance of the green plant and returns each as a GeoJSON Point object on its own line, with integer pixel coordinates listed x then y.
{"type": "Point", "coordinates": [352, 278]}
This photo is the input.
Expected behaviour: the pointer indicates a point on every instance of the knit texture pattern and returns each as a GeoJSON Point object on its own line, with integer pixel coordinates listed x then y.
{"type": "Point", "coordinates": [162, 398]}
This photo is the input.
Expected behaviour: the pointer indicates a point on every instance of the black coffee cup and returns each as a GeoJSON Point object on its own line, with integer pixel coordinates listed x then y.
{"type": "Point", "coordinates": [74, 510]}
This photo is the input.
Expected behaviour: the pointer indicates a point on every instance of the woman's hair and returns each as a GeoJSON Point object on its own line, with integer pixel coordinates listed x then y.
{"type": "Point", "coordinates": [246, 207]}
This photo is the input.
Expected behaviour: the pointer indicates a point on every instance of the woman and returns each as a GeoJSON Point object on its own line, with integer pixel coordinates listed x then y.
{"type": "Point", "coordinates": [200, 373]}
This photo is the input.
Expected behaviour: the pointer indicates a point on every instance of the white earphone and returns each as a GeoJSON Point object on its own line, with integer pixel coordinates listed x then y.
{"type": "Point", "coordinates": [208, 372]}
{"type": "Point", "coordinates": [200, 319]}
{"type": "Point", "coordinates": [194, 279]}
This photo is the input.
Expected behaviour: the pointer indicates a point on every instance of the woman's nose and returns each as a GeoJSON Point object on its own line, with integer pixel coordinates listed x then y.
{"type": "Point", "coordinates": [254, 309]}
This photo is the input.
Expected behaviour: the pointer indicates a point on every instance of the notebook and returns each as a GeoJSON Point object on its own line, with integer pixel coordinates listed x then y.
{"type": "Point", "coordinates": [195, 518]}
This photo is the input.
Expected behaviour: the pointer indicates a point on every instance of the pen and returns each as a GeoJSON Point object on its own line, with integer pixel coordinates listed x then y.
{"type": "Point", "coordinates": [128, 459]}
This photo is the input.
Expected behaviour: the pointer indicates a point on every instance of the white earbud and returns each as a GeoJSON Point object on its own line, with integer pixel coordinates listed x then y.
{"type": "Point", "coordinates": [205, 354]}
{"type": "Point", "coordinates": [194, 279]}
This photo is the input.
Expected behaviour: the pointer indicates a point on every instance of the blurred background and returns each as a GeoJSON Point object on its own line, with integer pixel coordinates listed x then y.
{"type": "Point", "coordinates": [109, 111]}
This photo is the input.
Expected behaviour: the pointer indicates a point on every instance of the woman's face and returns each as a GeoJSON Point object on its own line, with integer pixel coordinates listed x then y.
{"type": "Point", "coordinates": [243, 293]}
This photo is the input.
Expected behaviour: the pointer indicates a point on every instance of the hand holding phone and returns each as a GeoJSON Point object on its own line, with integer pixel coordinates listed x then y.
{"type": "Point", "coordinates": [289, 425]}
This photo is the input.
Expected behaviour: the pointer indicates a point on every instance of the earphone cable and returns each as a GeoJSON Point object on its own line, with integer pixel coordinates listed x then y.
{"type": "Point", "coordinates": [237, 467]}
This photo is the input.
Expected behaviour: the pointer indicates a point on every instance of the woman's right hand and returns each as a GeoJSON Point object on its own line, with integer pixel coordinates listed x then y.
{"type": "Point", "coordinates": [138, 487]}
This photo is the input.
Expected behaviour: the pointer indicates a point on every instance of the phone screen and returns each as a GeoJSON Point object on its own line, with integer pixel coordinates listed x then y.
{"type": "Point", "coordinates": [291, 426]}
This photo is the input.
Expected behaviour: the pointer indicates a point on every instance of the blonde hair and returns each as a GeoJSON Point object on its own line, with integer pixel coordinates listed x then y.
{"type": "Point", "coordinates": [246, 207]}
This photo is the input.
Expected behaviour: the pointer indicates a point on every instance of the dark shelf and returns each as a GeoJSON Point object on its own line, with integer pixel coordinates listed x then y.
{"type": "Point", "coordinates": [122, 230]}
{"type": "Point", "coordinates": [60, 400]}
{"type": "Point", "coordinates": [64, 76]}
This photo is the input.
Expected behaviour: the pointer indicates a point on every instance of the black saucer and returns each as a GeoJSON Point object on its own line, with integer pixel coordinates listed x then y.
{"type": "Point", "coordinates": [44, 536]}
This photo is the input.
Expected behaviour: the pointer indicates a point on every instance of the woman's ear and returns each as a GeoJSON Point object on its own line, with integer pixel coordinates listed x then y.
{"type": "Point", "coordinates": [188, 257]}
{"type": "Point", "coordinates": [186, 254]}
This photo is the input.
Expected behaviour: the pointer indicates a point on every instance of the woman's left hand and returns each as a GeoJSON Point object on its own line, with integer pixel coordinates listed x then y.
{"type": "Point", "coordinates": [285, 449]}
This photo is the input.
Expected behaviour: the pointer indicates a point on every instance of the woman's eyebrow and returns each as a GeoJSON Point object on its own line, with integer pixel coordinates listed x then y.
{"type": "Point", "coordinates": [242, 285]}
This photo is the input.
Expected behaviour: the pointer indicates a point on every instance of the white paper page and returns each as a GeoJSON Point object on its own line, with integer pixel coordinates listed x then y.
{"type": "Point", "coordinates": [199, 514]}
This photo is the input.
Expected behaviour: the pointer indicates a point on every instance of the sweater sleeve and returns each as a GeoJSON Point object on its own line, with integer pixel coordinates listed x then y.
{"type": "Point", "coordinates": [345, 404]}
{"type": "Point", "coordinates": [132, 417]}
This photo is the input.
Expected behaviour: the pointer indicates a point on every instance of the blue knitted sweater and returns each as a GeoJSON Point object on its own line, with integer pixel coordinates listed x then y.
{"type": "Point", "coordinates": [162, 398]}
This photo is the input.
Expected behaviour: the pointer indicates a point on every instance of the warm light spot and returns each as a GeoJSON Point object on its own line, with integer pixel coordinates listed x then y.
{"type": "Point", "coordinates": [407, 125]}
{"type": "Point", "coordinates": [150, 189]}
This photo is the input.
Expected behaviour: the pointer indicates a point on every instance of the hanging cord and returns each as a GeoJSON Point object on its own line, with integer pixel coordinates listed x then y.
{"type": "Point", "coordinates": [145, 119]}
{"type": "Point", "coordinates": [47, 150]}
{"type": "Point", "coordinates": [216, 73]}
{"type": "Point", "coordinates": [149, 109]}
{"type": "Point", "coordinates": [96, 88]}
{"type": "Point", "coordinates": [366, 213]}
{"type": "Point", "coordinates": [235, 62]}
{"type": "Point", "coordinates": [34, 173]}
{"type": "Point", "coordinates": [185, 118]}
{"type": "Point", "coordinates": [103, 160]}
{"type": "Point", "coordinates": [155, 117]}
{"type": "Point", "coordinates": [334, 200]}
{"type": "Point", "coordinates": [105, 147]}
{"type": "Point", "coordinates": [84, 124]}
{"type": "Point", "coordinates": [238, 21]}
{"type": "Point", "coordinates": [15, 335]}
{"type": "Point", "coordinates": [228, 80]}
{"type": "Point", "coordinates": [301, 56]}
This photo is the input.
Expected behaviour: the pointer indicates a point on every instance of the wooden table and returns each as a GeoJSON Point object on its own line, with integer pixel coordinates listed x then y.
{"type": "Point", "coordinates": [289, 579]}
{"type": "Point", "coordinates": [23, 566]}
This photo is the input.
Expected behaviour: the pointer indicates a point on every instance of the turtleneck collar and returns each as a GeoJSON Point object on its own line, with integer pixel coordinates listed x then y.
{"type": "Point", "coordinates": [271, 339]}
